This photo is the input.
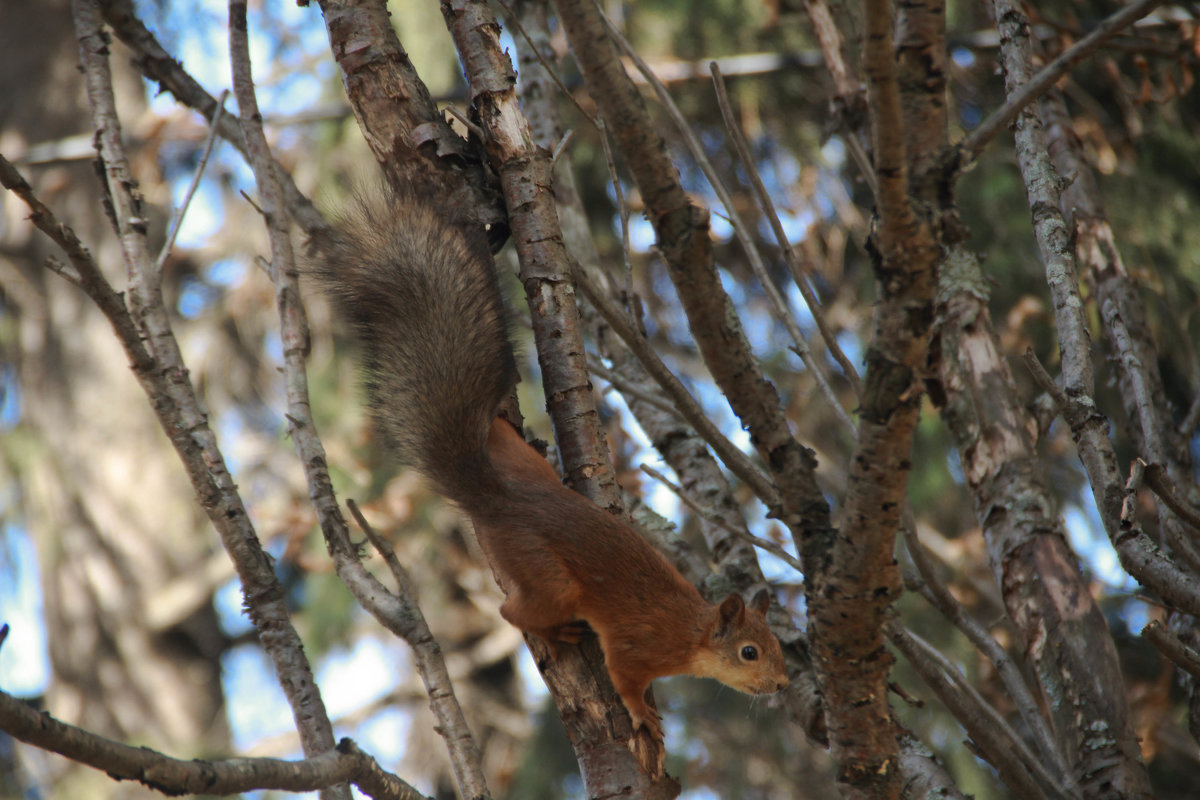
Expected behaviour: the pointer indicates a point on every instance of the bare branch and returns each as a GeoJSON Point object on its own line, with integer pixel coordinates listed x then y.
{"type": "Point", "coordinates": [1160, 483]}
{"type": "Point", "coordinates": [1140, 557]}
{"type": "Point", "coordinates": [1089, 427]}
{"type": "Point", "coordinates": [998, 744]}
{"type": "Point", "coordinates": [790, 253]}
{"type": "Point", "coordinates": [629, 390]}
{"type": "Point", "coordinates": [316, 732]}
{"type": "Point", "coordinates": [1183, 656]}
{"type": "Point", "coordinates": [177, 222]}
{"type": "Point", "coordinates": [1123, 312]}
{"type": "Point", "coordinates": [971, 146]}
{"type": "Point", "coordinates": [757, 541]}
{"type": "Point", "coordinates": [741, 229]}
{"type": "Point", "coordinates": [688, 407]}
{"type": "Point", "coordinates": [164, 378]}
{"type": "Point", "coordinates": [1039, 576]}
{"type": "Point", "coordinates": [400, 615]}
{"type": "Point", "coordinates": [173, 776]}
{"type": "Point", "coordinates": [404, 581]}
{"type": "Point", "coordinates": [83, 271]}
{"type": "Point", "coordinates": [159, 66]}
{"type": "Point", "coordinates": [937, 593]}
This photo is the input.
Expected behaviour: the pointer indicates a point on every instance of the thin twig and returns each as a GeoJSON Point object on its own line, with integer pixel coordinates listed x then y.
{"type": "Point", "coordinates": [687, 406]}
{"type": "Point", "coordinates": [628, 390]}
{"type": "Point", "coordinates": [974, 143]}
{"type": "Point", "coordinates": [1160, 483]}
{"type": "Point", "coordinates": [1183, 656]}
{"type": "Point", "coordinates": [1043, 379]}
{"type": "Point", "coordinates": [475, 130]}
{"type": "Point", "coordinates": [561, 147]}
{"type": "Point", "coordinates": [622, 205]}
{"type": "Point", "coordinates": [404, 581]}
{"type": "Point", "coordinates": [999, 743]}
{"type": "Point", "coordinates": [694, 505]}
{"type": "Point", "coordinates": [82, 271]}
{"type": "Point", "coordinates": [790, 253]}
{"type": "Point", "coordinates": [863, 160]}
{"type": "Point", "coordinates": [177, 222]}
{"type": "Point", "coordinates": [175, 776]}
{"type": "Point", "coordinates": [938, 593]}
{"type": "Point", "coordinates": [741, 230]}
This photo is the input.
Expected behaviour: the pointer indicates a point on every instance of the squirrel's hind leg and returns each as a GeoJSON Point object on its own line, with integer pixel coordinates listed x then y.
{"type": "Point", "coordinates": [547, 615]}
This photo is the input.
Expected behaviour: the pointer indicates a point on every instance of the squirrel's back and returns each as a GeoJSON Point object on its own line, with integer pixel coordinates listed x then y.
{"type": "Point", "coordinates": [420, 290]}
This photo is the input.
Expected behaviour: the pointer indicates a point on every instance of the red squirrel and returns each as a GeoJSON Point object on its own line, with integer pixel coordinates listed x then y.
{"type": "Point", "coordinates": [423, 298]}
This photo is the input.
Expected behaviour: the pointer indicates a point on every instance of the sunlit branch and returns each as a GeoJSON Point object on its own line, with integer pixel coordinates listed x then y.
{"type": "Point", "coordinates": [741, 230]}
{"type": "Point", "coordinates": [173, 776]}
{"type": "Point", "coordinates": [790, 253]}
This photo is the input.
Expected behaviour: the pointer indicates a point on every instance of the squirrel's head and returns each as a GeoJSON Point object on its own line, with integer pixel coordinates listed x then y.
{"type": "Point", "coordinates": [739, 649]}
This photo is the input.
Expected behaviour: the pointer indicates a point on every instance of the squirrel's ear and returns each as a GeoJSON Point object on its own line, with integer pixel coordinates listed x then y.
{"type": "Point", "coordinates": [731, 613]}
{"type": "Point", "coordinates": [761, 601]}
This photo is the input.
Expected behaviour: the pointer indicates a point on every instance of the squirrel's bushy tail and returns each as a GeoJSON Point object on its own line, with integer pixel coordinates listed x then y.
{"type": "Point", "coordinates": [424, 300]}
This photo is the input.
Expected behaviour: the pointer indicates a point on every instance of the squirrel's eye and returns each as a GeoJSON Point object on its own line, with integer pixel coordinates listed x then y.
{"type": "Point", "coordinates": [749, 653]}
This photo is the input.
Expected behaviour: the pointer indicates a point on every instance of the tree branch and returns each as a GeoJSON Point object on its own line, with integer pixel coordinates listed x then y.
{"type": "Point", "coordinates": [173, 776]}
{"type": "Point", "coordinates": [997, 742]}
{"type": "Point", "coordinates": [1183, 656]}
{"type": "Point", "coordinates": [464, 754]}
{"type": "Point", "coordinates": [974, 143]}
{"type": "Point", "coordinates": [1140, 557]}
{"type": "Point", "coordinates": [1124, 315]}
{"type": "Point", "coordinates": [685, 404]}
{"type": "Point", "coordinates": [1160, 483]}
{"type": "Point", "coordinates": [938, 594]}
{"type": "Point", "coordinates": [158, 65]}
{"type": "Point", "coordinates": [316, 732]}
{"type": "Point", "coordinates": [741, 230]}
{"type": "Point", "coordinates": [83, 270]}
{"type": "Point", "coordinates": [163, 377]}
{"type": "Point", "coordinates": [791, 254]}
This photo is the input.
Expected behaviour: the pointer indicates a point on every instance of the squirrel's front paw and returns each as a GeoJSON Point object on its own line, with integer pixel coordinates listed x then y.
{"type": "Point", "coordinates": [649, 719]}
